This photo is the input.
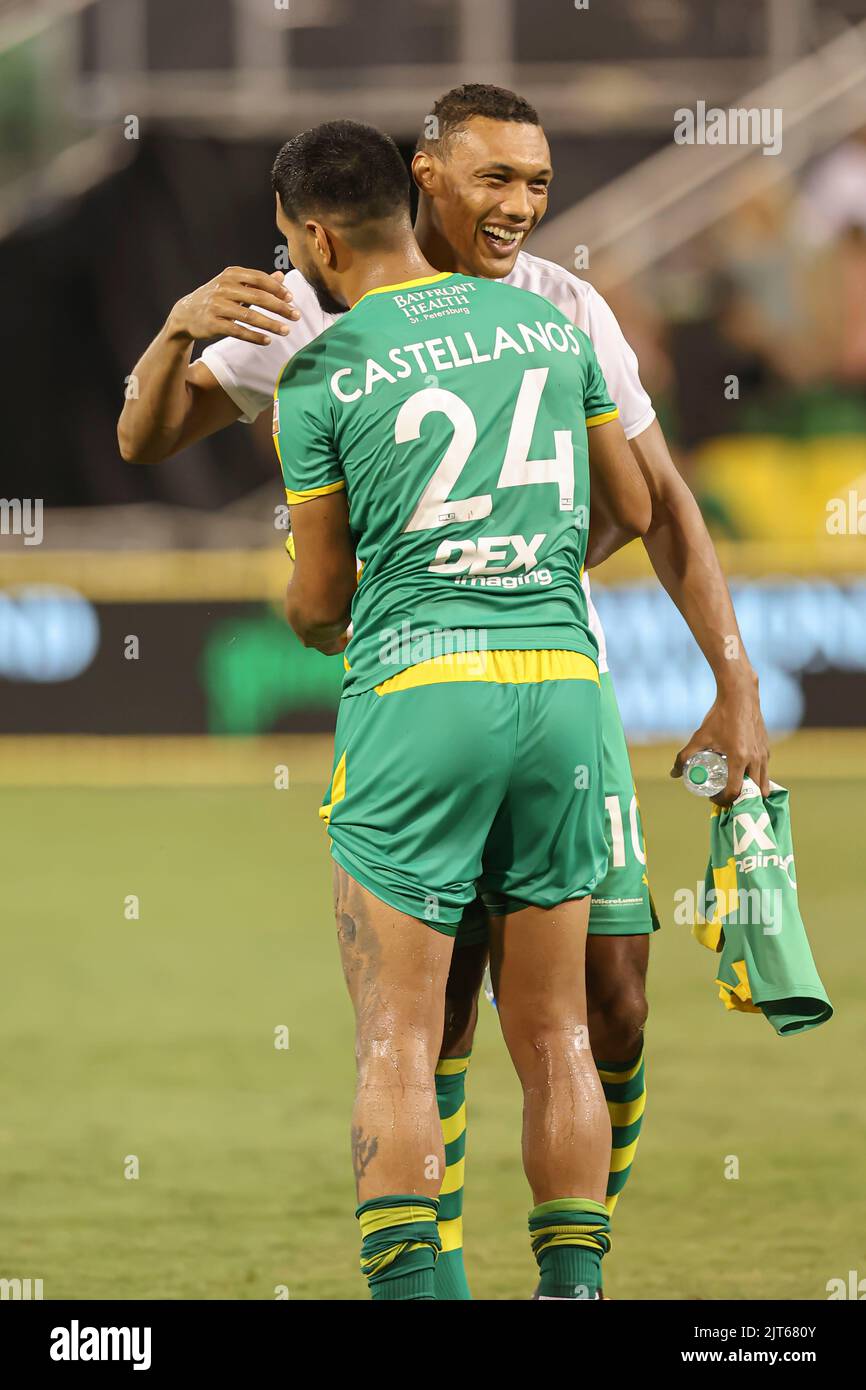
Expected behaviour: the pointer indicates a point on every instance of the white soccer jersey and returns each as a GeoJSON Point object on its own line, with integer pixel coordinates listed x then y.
{"type": "Point", "coordinates": [248, 372]}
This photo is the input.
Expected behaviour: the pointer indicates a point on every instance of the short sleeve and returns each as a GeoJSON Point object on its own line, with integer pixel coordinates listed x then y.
{"type": "Point", "coordinates": [597, 402]}
{"type": "Point", "coordinates": [303, 429]}
{"type": "Point", "coordinates": [247, 372]}
{"type": "Point", "coordinates": [619, 365]}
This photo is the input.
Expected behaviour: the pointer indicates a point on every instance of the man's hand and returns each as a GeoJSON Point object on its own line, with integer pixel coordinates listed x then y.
{"type": "Point", "coordinates": [213, 309]}
{"type": "Point", "coordinates": [734, 726]}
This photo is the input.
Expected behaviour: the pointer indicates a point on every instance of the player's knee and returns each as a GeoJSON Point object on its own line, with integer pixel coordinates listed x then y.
{"type": "Point", "coordinates": [545, 1052]}
{"type": "Point", "coordinates": [396, 1030]}
{"type": "Point", "coordinates": [389, 1052]}
{"type": "Point", "coordinates": [616, 1023]}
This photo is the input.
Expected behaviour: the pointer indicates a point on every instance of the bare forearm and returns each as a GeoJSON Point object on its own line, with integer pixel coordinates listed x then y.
{"type": "Point", "coordinates": [685, 561]}
{"type": "Point", "coordinates": [155, 411]}
{"type": "Point", "coordinates": [172, 404]}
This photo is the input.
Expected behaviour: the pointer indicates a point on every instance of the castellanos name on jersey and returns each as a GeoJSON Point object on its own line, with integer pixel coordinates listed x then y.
{"type": "Point", "coordinates": [464, 455]}
{"type": "Point", "coordinates": [247, 371]}
{"type": "Point", "coordinates": [441, 354]}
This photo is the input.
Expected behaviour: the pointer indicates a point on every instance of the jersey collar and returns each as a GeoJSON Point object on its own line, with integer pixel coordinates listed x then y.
{"type": "Point", "coordinates": [406, 285]}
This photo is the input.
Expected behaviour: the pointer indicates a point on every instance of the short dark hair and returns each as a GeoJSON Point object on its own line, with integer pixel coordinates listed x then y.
{"type": "Point", "coordinates": [342, 167]}
{"type": "Point", "coordinates": [458, 106]}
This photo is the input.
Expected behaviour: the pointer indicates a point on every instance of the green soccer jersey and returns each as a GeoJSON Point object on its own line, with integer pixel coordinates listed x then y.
{"type": "Point", "coordinates": [464, 457]}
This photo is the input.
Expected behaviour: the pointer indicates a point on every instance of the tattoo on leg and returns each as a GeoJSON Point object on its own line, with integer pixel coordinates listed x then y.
{"type": "Point", "coordinates": [364, 1150]}
{"type": "Point", "coordinates": [347, 928]}
{"type": "Point", "coordinates": [360, 950]}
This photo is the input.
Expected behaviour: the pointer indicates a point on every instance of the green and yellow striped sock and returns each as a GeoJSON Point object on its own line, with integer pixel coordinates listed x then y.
{"type": "Point", "coordinates": [569, 1237]}
{"type": "Point", "coordinates": [624, 1086]}
{"type": "Point", "coordinates": [451, 1284]}
{"type": "Point", "coordinates": [399, 1245]}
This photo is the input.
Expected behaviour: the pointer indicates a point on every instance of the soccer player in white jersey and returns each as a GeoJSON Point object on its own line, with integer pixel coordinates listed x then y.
{"type": "Point", "coordinates": [483, 181]}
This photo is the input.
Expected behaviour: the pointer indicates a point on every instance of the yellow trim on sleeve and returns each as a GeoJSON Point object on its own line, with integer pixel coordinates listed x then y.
{"type": "Point", "coordinates": [294, 499]}
{"type": "Point", "coordinates": [601, 419]}
{"type": "Point", "coordinates": [500, 667]}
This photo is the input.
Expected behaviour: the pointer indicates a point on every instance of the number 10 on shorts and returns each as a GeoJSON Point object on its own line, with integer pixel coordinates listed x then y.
{"type": "Point", "coordinates": [617, 837]}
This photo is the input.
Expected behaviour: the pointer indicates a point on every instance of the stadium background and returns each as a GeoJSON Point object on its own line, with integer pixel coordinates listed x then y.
{"type": "Point", "coordinates": [166, 895]}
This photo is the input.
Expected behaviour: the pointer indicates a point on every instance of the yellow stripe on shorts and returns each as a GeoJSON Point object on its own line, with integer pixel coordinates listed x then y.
{"type": "Point", "coordinates": [499, 667]}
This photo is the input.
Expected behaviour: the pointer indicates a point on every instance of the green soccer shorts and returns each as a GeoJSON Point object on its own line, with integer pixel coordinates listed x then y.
{"type": "Point", "coordinates": [621, 902]}
{"type": "Point", "coordinates": [462, 785]}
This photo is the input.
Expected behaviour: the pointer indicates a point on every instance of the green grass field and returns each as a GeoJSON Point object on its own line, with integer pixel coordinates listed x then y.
{"type": "Point", "coordinates": [155, 1038]}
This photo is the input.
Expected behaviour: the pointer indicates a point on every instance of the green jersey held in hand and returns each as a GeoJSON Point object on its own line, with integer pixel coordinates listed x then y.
{"type": "Point", "coordinates": [754, 923]}
{"type": "Point", "coordinates": [454, 411]}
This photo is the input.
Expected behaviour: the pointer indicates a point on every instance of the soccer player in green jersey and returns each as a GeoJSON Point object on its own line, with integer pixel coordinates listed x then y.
{"type": "Point", "coordinates": [438, 438]}
{"type": "Point", "coordinates": [483, 169]}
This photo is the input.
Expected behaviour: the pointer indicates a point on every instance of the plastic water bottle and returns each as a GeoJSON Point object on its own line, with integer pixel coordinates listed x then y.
{"type": "Point", "coordinates": [705, 773]}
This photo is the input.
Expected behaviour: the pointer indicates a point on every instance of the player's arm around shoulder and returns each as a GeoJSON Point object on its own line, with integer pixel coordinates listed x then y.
{"type": "Point", "coordinates": [171, 402]}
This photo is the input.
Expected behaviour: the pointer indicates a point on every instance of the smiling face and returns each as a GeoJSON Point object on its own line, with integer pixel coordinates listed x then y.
{"type": "Point", "coordinates": [488, 190]}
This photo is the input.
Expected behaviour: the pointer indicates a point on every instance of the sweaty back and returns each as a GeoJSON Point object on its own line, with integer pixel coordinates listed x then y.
{"type": "Point", "coordinates": [454, 411]}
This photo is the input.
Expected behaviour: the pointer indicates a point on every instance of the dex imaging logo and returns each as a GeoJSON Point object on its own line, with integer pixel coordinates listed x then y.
{"type": "Point", "coordinates": [750, 830]}
{"type": "Point", "coordinates": [77, 1343]}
